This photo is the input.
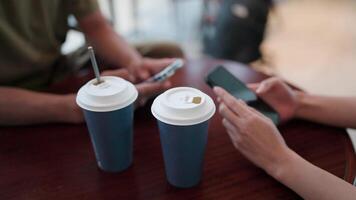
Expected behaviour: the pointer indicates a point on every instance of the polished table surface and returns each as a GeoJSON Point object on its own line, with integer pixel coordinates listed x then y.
{"type": "Point", "coordinates": [56, 161]}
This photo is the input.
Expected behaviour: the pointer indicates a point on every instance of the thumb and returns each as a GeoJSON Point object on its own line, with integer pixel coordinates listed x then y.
{"type": "Point", "coordinates": [264, 86]}
{"type": "Point", "coordinates": [253, 86]}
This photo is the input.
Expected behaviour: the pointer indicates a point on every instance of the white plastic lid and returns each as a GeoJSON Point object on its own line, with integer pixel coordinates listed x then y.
{"type": "Point", "coordinates": [183, 106]}
{"type": "Point", "coordinates": [112, 94]}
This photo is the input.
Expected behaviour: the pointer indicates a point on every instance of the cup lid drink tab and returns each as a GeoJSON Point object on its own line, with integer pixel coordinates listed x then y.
{"type": "Point", "coordinates": [111, 94]}
{"type": "Point", "coordinates": [183, 106]}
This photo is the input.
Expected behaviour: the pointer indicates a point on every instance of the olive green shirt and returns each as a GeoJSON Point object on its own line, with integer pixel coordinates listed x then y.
{"type": "Point", "coordinates": [31, 35]}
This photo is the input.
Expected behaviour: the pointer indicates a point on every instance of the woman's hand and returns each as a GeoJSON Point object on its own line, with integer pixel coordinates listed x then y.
{"type": "Point", "coordinates": [258, 139]}
{"type": "Point", "coordinates": [279, 95]}
{"type": "Point", "coordinates": [253, 134]}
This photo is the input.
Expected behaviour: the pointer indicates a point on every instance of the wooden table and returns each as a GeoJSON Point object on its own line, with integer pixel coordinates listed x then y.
{"type": "Point", "coordinates": [56, 161]}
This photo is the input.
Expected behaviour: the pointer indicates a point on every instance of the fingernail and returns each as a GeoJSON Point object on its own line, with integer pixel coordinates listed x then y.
{"type": "Point", "coordinates": [221, 107]}
{"type": "Point", "coordinates": [241, 101]}
{"type": "Point", "coordinates": [216, 90]}
{"type": "Point", "coordinates": [260, 88]}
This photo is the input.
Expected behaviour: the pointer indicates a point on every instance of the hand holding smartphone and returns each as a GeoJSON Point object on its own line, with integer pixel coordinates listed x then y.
{"type": "Point", "coordinates": [167, 72]}
{"type": "Point", "coordinates": [223, 78]}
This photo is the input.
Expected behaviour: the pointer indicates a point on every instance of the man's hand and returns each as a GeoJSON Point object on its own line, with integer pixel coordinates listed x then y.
{"type": "Point", "coordinates": [147, 67]}
{"type": "Point", "coordinates": [149, 90]}
{"type": "Point", "coordinates": [145, 90]}
{"type": "Point", "coordinates": [70, 112]}
{"type": "Point", "coordinates": [253, 134]}
{"type": "Point", "coordinates": [23, 107]}
{"type": "Point", "coordinates": [279, 95]}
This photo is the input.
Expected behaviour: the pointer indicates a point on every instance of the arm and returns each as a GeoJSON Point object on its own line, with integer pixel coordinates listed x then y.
{"type": "Point", "coordinates": [310, 181]}
{"type": "Point", "coordinates": [258, 139]}
{"type": "Point", "coordinates": [22, 107]}
{"type": "Point", "coordinates": [289, 103]}
{"type": "Point", "coordinates": [115, 50]}
{"type": "Point", "coordinates": [109, 45]}
{"type": "Point", "coordinates": [337, 111]}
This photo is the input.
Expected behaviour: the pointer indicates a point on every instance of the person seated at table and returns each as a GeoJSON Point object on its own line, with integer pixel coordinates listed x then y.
{"type": "Point", "coordinates": [31, 35]}
{"type": "Point", "coordinates": [257, 138]}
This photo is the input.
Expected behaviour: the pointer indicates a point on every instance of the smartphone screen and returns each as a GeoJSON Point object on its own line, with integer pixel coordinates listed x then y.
{"type": "Point", "coordinates": [223, 78]}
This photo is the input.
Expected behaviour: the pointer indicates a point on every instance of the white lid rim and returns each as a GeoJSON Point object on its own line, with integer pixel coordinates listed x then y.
{"type": "Point", "coordinates": [189, 116]}
{"type": "Point", "coordinates": [109, 108]}
{"type": "Point", "coordinates": [97, 108]}
{"type": "Point", "coordinates": [189, 122]}
{"type": "Point", "coordinates": [184, 123]}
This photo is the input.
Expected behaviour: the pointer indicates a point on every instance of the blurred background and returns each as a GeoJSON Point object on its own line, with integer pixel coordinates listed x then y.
{"type": "Point", "coordinates": [310, 43]}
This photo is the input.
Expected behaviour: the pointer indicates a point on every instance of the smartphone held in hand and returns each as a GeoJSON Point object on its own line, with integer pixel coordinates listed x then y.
{"type": "Point", "coordinates": [223, 78]}
{"type": "Point", "coordinates": [167, 72]}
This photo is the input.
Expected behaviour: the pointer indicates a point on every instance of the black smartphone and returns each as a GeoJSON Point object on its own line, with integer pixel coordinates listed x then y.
{"type": "Point", "coordinates": [223, 78]}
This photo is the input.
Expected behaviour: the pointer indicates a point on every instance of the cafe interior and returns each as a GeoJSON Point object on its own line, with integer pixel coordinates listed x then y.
{"type": "Point", "coordinates": [309, 44]}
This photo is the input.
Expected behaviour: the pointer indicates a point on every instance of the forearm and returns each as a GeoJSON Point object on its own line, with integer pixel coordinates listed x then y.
{"type": "Point", "coordinates": [311, 182]}
{"type": "Point", "coordinates": [108, 44]}
{"type": "Point", "coordinates": [337, 111]}
{"type": "Point", "coordinates": [22, 107]}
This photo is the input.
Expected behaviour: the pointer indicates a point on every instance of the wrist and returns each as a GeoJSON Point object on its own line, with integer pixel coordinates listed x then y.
{"type": "Point", "coordinates": [134, 62]}
{"type": "Point", "coordinates": [279, 168]}
{"type": "Point", "coordinates": [67, 110]}
{"type": "Point", "coordinates": [300, 96]}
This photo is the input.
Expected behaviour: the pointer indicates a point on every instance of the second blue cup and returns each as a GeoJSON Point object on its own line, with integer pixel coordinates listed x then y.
{"type": "Point", "coordinates": [183, 150]}
{"type": "Point", "coordinates": [183, 119]}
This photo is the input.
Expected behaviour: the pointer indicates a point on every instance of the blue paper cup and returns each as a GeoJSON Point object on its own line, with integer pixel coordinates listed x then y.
{"type": "Point", "coordinates": [183, 151]}
{"type": "Point", "coordinates": [108, 110]}
{"type": "Point", "coordinates": [183, 123]}
{"type": "Point", "coordinates": [111, 134]}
